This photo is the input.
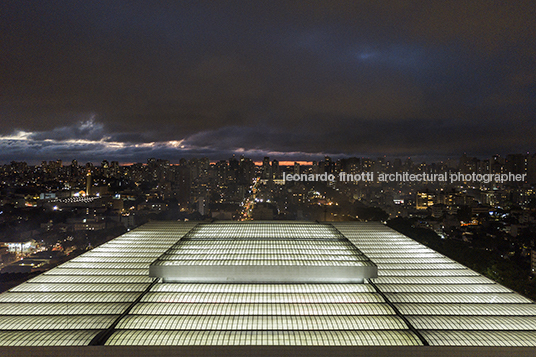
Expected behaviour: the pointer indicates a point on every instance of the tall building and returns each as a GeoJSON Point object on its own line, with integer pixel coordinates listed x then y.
{"type": "Point", "coordinates": [517, 163]}
{"type": "Point", "coordinates": [184, 181]}
{"type": "Point", "coordinates": [248, 169]}
{"type": "Point", "coordinates": [266, 168]}
{"type": "Point", "coordinates": [202, 297]}
{"type": "Point", "coordinates": [74, 169]}
{"type": "Point", "coordinates": [234, 166]}
{"type": "Point", "coordinates": [276, 171]}
{"type": "Point", "coordinates": [296, 169]}
{"type": "Point", "coordinates": [88, 183]}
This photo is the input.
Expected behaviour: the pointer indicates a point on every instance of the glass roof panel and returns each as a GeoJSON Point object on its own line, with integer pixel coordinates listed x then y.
{"type": "Point", "coordinates": [266, 338]}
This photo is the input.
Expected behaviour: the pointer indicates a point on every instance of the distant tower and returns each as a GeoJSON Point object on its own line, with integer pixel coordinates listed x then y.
{"type": "Point", "coordinates": [88, 182]}
{"type": "Point", "coordinates": [266, 168]}
{"type": "Point", "coordinates": [276, 172]}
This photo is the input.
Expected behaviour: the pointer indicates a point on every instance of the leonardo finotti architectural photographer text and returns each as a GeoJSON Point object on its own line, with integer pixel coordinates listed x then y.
{"type": "Point", "coordinates": [370, 176]}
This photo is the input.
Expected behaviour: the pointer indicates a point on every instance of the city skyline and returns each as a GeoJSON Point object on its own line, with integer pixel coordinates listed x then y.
{"type": "Point", "coordinates": [297, 80]}
{"type": "Point", "coordinates": [453, 162]}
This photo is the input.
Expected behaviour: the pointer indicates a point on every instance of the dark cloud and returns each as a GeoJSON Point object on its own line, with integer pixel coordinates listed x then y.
{"type": "Point", "coordinates": [83, 130]}
{"type": "Point", "coordinates": [307, 77]}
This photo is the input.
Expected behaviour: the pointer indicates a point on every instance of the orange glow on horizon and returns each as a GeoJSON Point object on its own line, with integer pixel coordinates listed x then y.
{"type": "Point", "coordinates": [287, 163]}
{"type": "Point", "coordinates": [257, 163]}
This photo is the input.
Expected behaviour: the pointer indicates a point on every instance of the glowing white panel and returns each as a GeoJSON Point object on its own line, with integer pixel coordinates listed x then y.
{"type": "Point", "coordinates": [101, 287]}
{"type": "Point", "coordinates": [258, 323]}
{"type": "Point", "coordinates": [481, 338]}
{"type": "Point", "coordinates": [100, 272]}
{"type": "Point", "coordinates": [88, 279]}
{"type": "Point", "coordinates": [70, 304]}
{"type": "Point", "coordinates": [468, 288]}
{"type": "Point", "coordinates": [67, 297]}
{"type": "Point", "coordinates": [468, 309]}
{"type": "Point", "coordinates": [112, 259]}
{"type": "Point", "coordinates": [469, 298]}
{"type": "Point", "coordinates": [426, 272]}
{"type": "Point", "coordinates": [262, 298]}
{"type": "Point", "coordinates": [430, 266]}
{"type": "Point", "coordinates": [305, 265]}
{"type": "Point", "coordinates": [63, 322]}
{"type": "Point", "coordinates": [433, 280]}
{"type": "Point", "coordinates": [263, 288]}
{"type": "Point", "coordinates": [103, 265]}
{"type": "Point", "coordinates": [473, 322]}
{"type": "Point", "coordinates": [63, 309]}
{"type": "Point", "coordinates": [242, 309]}
{"type": "Point", "coordinates": [264, 338]}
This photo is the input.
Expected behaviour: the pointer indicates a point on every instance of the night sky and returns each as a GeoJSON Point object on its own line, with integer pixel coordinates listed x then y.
{"type": "Point", "coordinates": [129, 80]}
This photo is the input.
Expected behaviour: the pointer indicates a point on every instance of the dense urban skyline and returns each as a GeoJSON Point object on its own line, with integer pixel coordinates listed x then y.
{"type": "Point", "coordinates": [296, 80]}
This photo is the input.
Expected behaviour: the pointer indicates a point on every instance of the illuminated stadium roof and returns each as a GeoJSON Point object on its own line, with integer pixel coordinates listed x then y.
{"type": "Point", "coordinates": [263, 253]}
{"type": "Point", "coordinates": [420, 297]}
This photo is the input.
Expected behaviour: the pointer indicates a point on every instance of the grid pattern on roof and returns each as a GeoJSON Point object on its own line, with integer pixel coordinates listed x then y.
{"type": "Point", "coordinates": [264, 298]}
{"type": "Point", "coordinates": [223, 244]}
{"type": "Point", "coordinates": [445, 302]}
{"type": "Point", "coordinates": [259, 323]}
{"type": "Point", "coordinates": [259, 309]}
{"type": "Point", "coordinates": [263, 338]}
{"type": "Point", "coordinates": [70, 304]}
{"type": "Point", "coordinates": [481, 338]}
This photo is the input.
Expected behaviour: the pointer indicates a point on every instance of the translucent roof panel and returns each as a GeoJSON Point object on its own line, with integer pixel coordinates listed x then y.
{"type": "Point", "coordinates": [265, 262]}
{"type": "Point", "coordinates": [481, 338]}
{"type": "Point", "coordinates": [256, 323]}
{"type": "Point", "coordinates": [461, 280]}
{"type": "Point", "coordinates": [85, 279]}
{"type": "Point", "coordinates": [275, 255]}
{"type": "Point", "coordinates": [473, 322]}
{"type": "Point", "coordinates": [63, 308]}
{"type": "Point", "coordinates": [417, 289]}
{"type": "Point", "coordinates": [468, 309]}
{"type": "Point", "coordinates": [429, 288]}
{"type": "Point", "coordinates": [262, 309]}
{"type": "Point", "coordinates": [448, 303]}
{"type": "Point", "coordinates": [426, 272]}
{"type": "Point", "coordinates": [265, 230]}
{"type": "Point", "coordinates": [421, 266]}
{"type": "Point", "coordinates": [70, 304]}
{"type": "Point", "coordinates": [96, 271]}
{"type": "Point", "coordinates": [63, 322]}
{"type": "Point", "coordinates": [264, 338]}
{"type": "Point", "coordinates": [264, 288]}
{"type": "Point", "coordinates": [103, 265]}
{"type": "Point", "coordinates": [88, 287]}
{"type": "Point", "coordinates": [68, 297]}
{"type": "Point", "coordinates": [238, 255]}
{"type": "Point", "coordinates": [263, 298]}
{"type": "Point", "coordinates": [47, 338]}
{"type": "Point", "coordinates": [470, 298]}
{"type": "Point", "coordinates": [113, 259]}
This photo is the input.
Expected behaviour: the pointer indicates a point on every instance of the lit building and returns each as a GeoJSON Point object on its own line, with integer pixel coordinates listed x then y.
{"type": "Point", "coordinates": [20, 246]}
{"type": "Point", "coordinates": [88, 183]}
{"type": "Point", "coordinates": [421, 303]}
{"type": "Point", "coordinates": [424, 200]}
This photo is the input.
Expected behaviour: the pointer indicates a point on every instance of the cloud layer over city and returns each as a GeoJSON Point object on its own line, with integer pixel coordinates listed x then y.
{"type": "Point", "coordinates": [299, 79]}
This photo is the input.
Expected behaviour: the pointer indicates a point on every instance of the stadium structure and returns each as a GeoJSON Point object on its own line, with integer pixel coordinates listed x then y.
{"type": "Point", "coordinates": [264, 288]}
